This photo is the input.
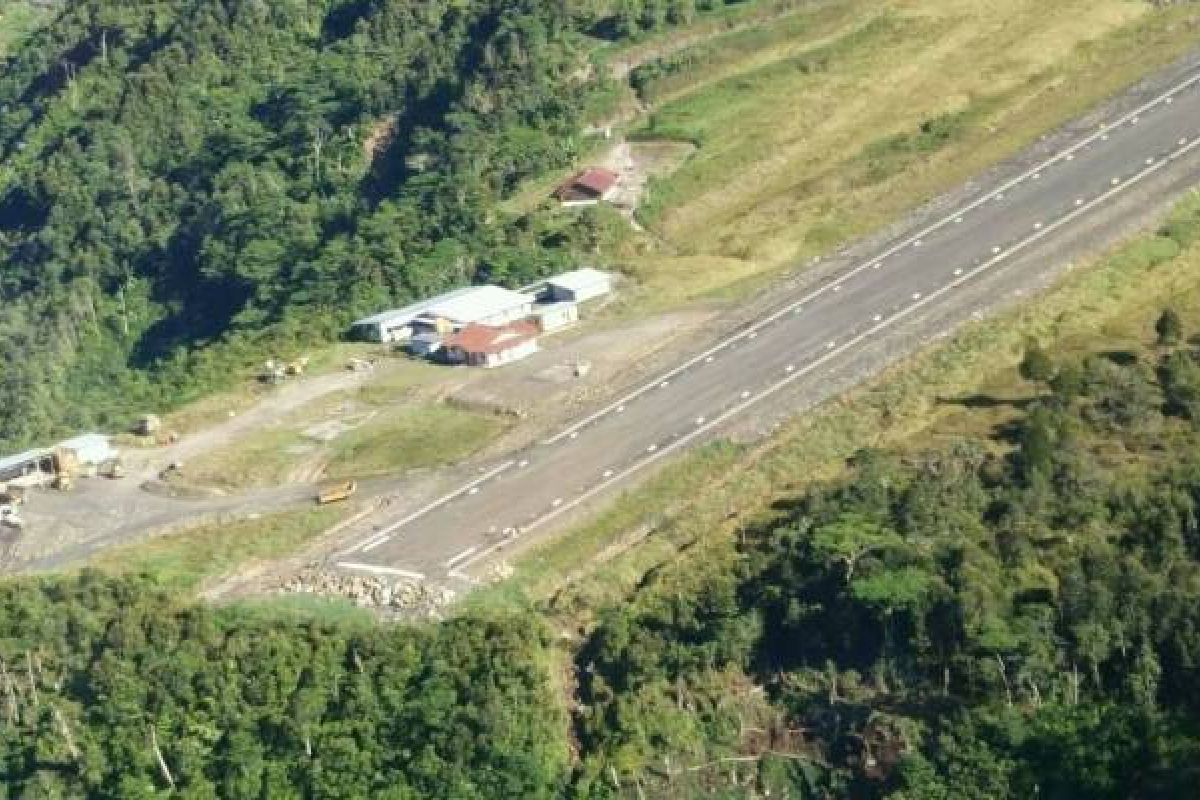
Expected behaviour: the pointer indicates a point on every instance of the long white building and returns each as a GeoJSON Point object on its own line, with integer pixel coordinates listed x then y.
{"type": "Point", "coordinates": [472, 305]}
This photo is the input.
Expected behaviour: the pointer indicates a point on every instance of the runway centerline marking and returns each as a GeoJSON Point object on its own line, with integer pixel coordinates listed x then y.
{"type": "Point", "coordinates": [822, 360]}
{"type": "Point", "coordinates": [1100, 134]}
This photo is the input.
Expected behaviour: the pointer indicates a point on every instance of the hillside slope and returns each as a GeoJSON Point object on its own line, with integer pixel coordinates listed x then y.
{"type": "Point", "coordinates": [191, 173]}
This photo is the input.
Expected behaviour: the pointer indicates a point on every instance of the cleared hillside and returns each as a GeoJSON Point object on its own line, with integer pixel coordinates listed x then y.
{"type": "Point", "coordinates": [834, 121]}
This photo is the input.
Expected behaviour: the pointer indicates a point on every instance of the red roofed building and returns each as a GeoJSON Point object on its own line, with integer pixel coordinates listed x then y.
{"type": "Point", "coordinates": [588, 187]}
{"type": "Point", "coordinates": [489, 346]}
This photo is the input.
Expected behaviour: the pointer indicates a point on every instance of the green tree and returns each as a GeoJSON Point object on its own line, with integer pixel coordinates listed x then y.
{"type": "Point", "coordinates": [1036, 365]}
{"type": "Point", "coordinates": [1168, 327]}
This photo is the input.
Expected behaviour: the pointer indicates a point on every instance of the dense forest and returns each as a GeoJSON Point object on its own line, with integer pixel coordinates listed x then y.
{"type": "Point", "coordinates": [187, 186]}
{"type": "Point", "coordinates": [1009, 616]}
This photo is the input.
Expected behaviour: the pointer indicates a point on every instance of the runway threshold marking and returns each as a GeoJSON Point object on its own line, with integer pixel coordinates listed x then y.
{"type": "Point", "coordinates": [562, 508]}
{"type": "Point", "coordinates": [403, 573]}
{"type": "Point", "coordinates": [1063, 155]}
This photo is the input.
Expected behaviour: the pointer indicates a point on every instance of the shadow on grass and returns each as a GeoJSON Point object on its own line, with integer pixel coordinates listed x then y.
{"type": "Point", "coordinates": [980, 400]}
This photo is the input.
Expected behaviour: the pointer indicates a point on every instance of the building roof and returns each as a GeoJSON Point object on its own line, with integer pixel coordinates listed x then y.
{"type": "Point", "coordinates": [413, 311]}
{"type": "Point", "coordinates": [592, 181]}
{"type": "Point", "coordinates": [91, 448]}
{"type": "Point", "coordinates": [479, 303]}
{"type": "Point", "coordinates": [491, 339]}
{"type": "Point", "coordinates": [20, 459]}
{"type": "Point", "coordinates": [579, 279]}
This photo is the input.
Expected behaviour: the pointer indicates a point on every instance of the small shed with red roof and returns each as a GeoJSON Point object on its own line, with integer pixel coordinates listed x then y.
{"type": "Point", "coordinates": [588, 187]}
{"type": "Point", "coordinates": [492, 346]}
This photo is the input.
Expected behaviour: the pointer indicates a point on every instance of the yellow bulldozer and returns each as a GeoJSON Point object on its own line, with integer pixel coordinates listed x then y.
{"type": "Point", "coordinates": [336, 493]}
{"type": "Point", "coordinates": [66, 468]}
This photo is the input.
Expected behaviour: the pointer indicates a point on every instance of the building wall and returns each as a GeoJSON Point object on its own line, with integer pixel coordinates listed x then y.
{"type": "Point", "coordinates": [581, 294]}
{"type": "Point", "coordinates": [558, 317]}
{"type": "Point", "coordinates": [490, 360]}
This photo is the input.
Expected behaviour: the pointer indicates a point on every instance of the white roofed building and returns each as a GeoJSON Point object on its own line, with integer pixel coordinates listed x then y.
{"type": "Point", "coordinates": [481, 305]}
{"type": "Point", "coordinates": [396, 325]}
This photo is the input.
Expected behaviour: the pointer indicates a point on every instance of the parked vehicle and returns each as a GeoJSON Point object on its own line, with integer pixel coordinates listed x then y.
{"type": "Point", "coordinates": [336, 493]}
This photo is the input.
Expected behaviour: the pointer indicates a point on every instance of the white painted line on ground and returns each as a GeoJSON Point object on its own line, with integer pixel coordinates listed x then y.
{"type": "Point", "coordinates": [381, 536]}
{"type": "Point", "coordinates": [821, 360]}
{"type": "Point", "coordinates": [403, 573]}
{"type": "Point", "coordinates": [470, 551]}
{"type": "Point", "coordinates": [874, 262]}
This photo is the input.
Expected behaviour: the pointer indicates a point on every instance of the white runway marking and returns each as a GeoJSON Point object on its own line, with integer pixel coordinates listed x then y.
{"type": "Point", "coordinates": [818, 362]}
{"type": "Point", "coordinates": [403, 573]}
{"type": "Point", "coordinates": [470, 551]}
{"type": "Point", "coordinates": [383, 535]}
{"type": "Point", "coordinates": [1066, 154]}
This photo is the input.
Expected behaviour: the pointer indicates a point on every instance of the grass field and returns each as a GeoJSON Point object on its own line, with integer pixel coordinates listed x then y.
{"type": "Point", "coordinates": [384, 439]}
{"type": "Point", "coordinates": [696, 505]}
{"type": "Point", "coordinates": [833, 123]}
{"type": "Point", "coordinates": [185, 560]}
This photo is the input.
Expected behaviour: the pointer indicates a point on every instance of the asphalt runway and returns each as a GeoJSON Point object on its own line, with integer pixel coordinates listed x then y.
{"type": "Point", "coordinates": [1035, 214]}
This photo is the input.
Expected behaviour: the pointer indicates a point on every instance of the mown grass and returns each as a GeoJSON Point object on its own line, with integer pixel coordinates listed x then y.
{"type": "Point", "coordinates": [850, 126]}
{"type": "Point", "coordinates": [397, 438]}
{"type": "Point", "coordinates": [185, 560]}
{"type": "Point", "coordinates": [698, 503]}
{"type": "Point", "coordinates": [424, 436]}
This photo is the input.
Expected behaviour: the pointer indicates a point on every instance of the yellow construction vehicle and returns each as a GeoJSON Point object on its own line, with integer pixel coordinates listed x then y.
{"type": "Point", "coordinates": [336, 493]}
{"type": "Point", "coordinates": [66, 467]}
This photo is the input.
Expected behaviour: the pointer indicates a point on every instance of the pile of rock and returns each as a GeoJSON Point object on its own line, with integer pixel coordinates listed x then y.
{"type": "Point", "coordinates": [371, 591]}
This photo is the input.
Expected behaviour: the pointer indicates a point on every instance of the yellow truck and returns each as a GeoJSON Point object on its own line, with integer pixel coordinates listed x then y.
{"type": "Point", "coordinates": [336, 493]}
